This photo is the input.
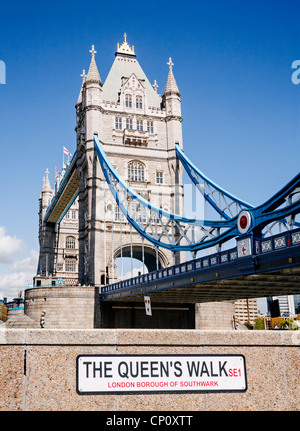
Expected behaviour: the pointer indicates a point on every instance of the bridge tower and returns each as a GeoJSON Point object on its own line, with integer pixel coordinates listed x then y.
{"type": "Point", "coordinates": [46, 231]}
{"type": "Point", "coordinates": [138, 129]}
{"type": "Point", "coordinates": [127, 133]}
{"type": "Point", "coordinates": [58, 242]}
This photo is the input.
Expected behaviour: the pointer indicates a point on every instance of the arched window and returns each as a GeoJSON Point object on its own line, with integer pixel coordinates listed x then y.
{"type": "Point", "coordinates": [70, 242]}
{"type": "Point", "coordinates": [136, 171]}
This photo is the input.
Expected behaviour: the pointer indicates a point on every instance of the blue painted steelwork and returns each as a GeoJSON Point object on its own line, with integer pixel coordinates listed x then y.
{"type": "Point", "coordinates": [68, 207]}
{"type": "Point", "coordinates": [196, 175]}
{"type": "Point", "coordinates": [211, 232]}
{"type": "Point", "coordinates": [182, 268]}
{"type": "Point", "coordinates": [113, 178]}
{"type": "Point", "coordinates": [149, 216]}
{"type": "Point", "coordinates": [272, 209]}
{"type": "Point", "coordinates": [177, 233]}
{"type": "Point", "coordinates": [61, 188]}
{"type": "Point", "coordinates": [265, 249]}
{"type": "Point", "coordinates": [262, 215]}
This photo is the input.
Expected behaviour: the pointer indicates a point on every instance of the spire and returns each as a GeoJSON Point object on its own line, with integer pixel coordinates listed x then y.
{"type": "Point", "coordinates": [83, 75]}
{"type": "Point", "coordinates": [155, 86]}
{"type": "Point", "coordinates": [93, 74]}
{"type": "Point", "coordinates": [47, 191]}
{"type": "Point", "coordinates": [171, 86]}
{"type": "Point", "coordinates": [46, 195]}
{"type": "Point", "coordinates": [46, 183]}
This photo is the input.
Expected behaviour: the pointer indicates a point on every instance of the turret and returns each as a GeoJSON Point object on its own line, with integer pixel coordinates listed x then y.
{"type": "Point", "coordinates": [93, 75]}
{"type": "Point", "coordinates": [91, 97]}
{"type": "Point", "coordinates": [93, 83]}
{"type": "Point", "coordinates": [46, 196]}
{"type": "Point", "coordinates": [172, 103]}
{"type": "Point", "coordinates": [46, 230]}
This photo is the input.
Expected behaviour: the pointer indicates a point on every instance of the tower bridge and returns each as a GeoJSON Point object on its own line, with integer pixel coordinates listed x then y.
{"type": "Point", "coordinates": [272, 269]}
{"type": "Point", "coordinates": [124, 191]}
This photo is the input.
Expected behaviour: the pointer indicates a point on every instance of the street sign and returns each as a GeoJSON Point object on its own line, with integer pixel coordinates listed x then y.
{"type": "Point", "coordinates": [104, 374]}
{"type": "Point", "coordinates": [148, 305]}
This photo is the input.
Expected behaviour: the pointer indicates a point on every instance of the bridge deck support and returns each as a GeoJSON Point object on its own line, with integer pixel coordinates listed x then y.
{"type": "Point", "coordinates": [80, 308]}
{"type": "Point", "coordinates": [132, 315]}
{"type": "Point", "coordinates": [215, 315]}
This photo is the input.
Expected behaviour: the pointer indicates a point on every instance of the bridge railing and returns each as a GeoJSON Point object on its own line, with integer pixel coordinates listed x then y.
{"type": "Point", "coordinates": [277, 242]}
{"type": "Point", "coordinates": [261, 246]}
{"type": "Point", "coordinates": [49, 285]}
{"type": "Point", "coordinates": [181, 268]}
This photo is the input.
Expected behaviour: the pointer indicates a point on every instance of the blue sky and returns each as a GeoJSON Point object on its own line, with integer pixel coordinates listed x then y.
{"type": "Point", "coordinates": [232, 63]}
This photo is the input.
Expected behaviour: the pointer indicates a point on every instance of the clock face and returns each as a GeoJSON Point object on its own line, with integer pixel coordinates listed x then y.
{"type": "Point", "coordinates": [244, 247]}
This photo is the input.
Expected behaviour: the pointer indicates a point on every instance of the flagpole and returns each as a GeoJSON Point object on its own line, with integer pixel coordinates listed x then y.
{"type": "Point", "coordinates": [69, 155]}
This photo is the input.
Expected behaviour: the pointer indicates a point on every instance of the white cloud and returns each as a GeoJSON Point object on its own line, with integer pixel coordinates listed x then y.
{"type": "Point", "coordinates": [28, 264]}
{"type": "Point", "coordinates": [18, 276]}
{"type": "Point", "coordinates": [137, 268]}
{"type": "Point", "coordinates": [9, 246]}
{"type": "Point", "coordinates": [135, 272]}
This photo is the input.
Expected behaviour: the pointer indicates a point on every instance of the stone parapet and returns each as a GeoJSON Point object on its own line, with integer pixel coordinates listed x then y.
{"type": "Point", "coordinates": [38, 368]}
{"type": "Point", "coordinates": [72, 307]}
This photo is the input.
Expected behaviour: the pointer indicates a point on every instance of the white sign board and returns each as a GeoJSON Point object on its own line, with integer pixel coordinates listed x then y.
{"type": "Point", "coordinates": [148, 305]}
{"type": "Point", "coordinates": [104, 374]}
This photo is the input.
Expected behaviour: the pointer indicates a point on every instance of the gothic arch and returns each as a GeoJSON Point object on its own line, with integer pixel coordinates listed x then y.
{"type": "Point", "coordinates": [136, 171]}
{"type": "Point", "coordinates": [149, 255]}
{"type": "Point", "coordinates": [70, 242]}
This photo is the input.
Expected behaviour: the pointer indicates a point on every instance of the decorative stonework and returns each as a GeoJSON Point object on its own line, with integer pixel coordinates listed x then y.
{"type": "Point", "coordinates": [125, 48]}
{"type": "Point", "coordinates": [137, 129]}
{"type": "Point", "coordinates": [244, 247]}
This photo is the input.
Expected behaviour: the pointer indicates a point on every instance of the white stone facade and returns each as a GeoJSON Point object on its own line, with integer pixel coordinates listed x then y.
{"type": "Point", "coordinates": [58, 260]}
{"type": "Point", "coordinates": [138, 129]}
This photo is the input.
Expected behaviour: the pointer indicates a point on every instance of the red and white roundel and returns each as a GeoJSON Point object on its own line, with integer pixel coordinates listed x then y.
{"type": "Point", "coordinates": [244, 221]}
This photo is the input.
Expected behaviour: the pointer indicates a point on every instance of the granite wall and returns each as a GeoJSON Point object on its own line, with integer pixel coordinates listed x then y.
{"type": "Point", "coordinates": [38, 368]}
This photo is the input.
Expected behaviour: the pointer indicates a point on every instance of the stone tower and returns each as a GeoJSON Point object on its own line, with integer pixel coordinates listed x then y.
{"type": "Point", "coordinates": [138, 129]}
{"type": "Point", "coordinates": [46, 232]}
{"type": "Point", "coordinates": [58, 258]}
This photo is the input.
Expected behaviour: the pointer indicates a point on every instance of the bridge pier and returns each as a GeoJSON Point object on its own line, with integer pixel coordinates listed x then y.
{"type": "Point", "coordinates": [80, 307]}
{"type": "Point", "coordinates": [204, 316]}
{"type": "Point", "coordinates": [215, 315]}
{"type": "Point", "coordinates": [132, 315]}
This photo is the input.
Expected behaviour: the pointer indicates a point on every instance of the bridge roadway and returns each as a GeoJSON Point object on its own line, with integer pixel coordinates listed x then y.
{"type": "Point", "coordinates": [65, 195]}
{"type": "Point", "coordinates": [273, 269]}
